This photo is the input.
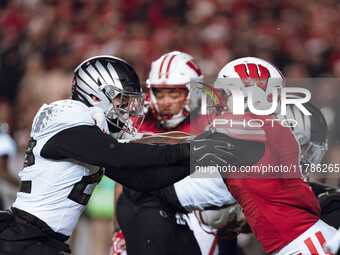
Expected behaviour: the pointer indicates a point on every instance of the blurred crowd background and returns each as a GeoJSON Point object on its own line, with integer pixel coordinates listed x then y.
{"type": "Point", "coordinates": [42, 41]}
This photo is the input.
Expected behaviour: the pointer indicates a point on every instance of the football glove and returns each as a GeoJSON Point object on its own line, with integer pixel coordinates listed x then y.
{"type": "Point", "coordinates": [208, 150]}
{"type": "Point", "coordinates": [118, 246]}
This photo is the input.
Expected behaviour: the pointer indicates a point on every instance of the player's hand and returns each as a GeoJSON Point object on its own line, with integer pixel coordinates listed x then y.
{"type": "Point", "coordinates": [118, 246]}
{"type": "Point", "coordinates": [208, 150]}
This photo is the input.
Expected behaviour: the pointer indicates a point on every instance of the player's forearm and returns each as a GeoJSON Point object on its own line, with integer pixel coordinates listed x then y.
{"type": "Point", "coordinates": [151, 155]}
{"type": "Point", "coordinates": [149, 179]}
{"type": "Point", "coordinates": [88, 144]}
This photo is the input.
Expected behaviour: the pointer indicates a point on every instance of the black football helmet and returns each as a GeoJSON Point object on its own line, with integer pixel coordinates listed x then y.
{"type": "Point", "coordinates": [311, 132]}
{"type": "Point", "coordinates": [108, 79]}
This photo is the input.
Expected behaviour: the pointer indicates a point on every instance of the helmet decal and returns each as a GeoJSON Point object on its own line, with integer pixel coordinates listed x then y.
{"type": "Point", "coordinates": [194, 66]}
{"type": "Point", "coordinates": [253, 73]}
{"type": "Point", "coordinates": [257, 79]}
{"type": "Point", "coordinates": [167, 69]}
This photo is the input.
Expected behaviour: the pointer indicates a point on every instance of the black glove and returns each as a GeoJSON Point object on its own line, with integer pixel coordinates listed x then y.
{"type": "Point", "coordinates": [207, 149]}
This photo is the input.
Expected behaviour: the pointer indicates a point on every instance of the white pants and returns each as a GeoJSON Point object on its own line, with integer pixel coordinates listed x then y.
{"type": "Point", "coordinates": [310, 242]}
{"type": "Point", "coordinates": [206, 242]}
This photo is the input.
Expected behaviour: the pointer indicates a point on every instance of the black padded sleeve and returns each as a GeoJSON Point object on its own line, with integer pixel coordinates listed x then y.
{"type": "Point", "coordinates": [319, 188]}
{"type": "Point", "coordinates": [90, 145]}
{"type": "Point", "coordinates": [150, 179]}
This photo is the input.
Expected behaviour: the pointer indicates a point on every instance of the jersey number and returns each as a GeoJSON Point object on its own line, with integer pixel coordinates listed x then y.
{"type": "Point", "coordinates": [86, 184]}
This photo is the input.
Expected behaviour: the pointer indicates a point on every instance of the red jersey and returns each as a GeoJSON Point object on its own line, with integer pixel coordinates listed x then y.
{"type": "Point", "coordinates": [277, 209]}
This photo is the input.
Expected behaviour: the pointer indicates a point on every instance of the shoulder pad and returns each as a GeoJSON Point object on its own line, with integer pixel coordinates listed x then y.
{"type": "Point", "coordinates": [60, 115]}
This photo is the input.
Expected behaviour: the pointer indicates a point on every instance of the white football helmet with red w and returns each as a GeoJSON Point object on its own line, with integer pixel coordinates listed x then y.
{"type": "Point", "coordinates": [173, 70]}
{"type": "Point", "coordinates": [255, 77]}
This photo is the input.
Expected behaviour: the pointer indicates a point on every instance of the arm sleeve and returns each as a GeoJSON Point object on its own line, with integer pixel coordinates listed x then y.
{"type": "Point", "coordinates": [90, 145]}
{"type": "Point", "coordinates": [150, 179]}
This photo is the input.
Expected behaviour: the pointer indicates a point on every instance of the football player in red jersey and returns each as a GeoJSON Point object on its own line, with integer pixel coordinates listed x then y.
{"type": "Point", "coordinates": [170, 96]}
{"type": "Point", "coordinates": [311, 132]}
{"type": "Point", "coordinates": [156, 228]}
{"type": "Point", "coordinates": [280, 207]}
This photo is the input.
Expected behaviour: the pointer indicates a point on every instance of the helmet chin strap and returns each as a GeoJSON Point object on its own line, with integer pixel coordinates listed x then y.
{"type": "Point", "coordinates": [119, 123]}
{"type": "Point", "coordinates": [174, 121]}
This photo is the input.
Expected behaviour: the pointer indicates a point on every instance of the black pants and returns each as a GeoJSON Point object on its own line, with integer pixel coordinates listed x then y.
{"type": "Point", "coordinates": [228, 247]}
{"type": "Point", "coordinates": [22, 233]}
{"type": "Point", "coordinates": [151, 228]}
{"type": "Point", "coordinates": [329, 200]}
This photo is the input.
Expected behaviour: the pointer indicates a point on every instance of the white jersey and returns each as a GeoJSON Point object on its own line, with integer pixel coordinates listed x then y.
{"type": "Point", "coordinates": [60, 189]}
{"type": "Point", "coordinates": [201, 193]}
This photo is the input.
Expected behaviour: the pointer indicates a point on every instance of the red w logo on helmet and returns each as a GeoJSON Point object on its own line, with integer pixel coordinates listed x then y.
{"type": "Point", "coordinates": [252, 76]}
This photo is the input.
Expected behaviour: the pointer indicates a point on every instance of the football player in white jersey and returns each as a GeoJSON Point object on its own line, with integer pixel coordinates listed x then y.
{"type": "Point", "coordinates": [70, 149]}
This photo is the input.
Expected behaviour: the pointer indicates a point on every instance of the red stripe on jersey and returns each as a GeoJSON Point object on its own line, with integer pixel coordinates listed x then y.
{"type": "Point", "coordinates": [213, 246]}
{"type": "Point", "coordinates": [167, 69]}
{"type": "Point", "coordinates": [311, 246]}
{"type": "Point", "coordinates": [160, 69]}
{"type": "Point", "coordinates": [201, 217]}
{"type": "Point", "coordinates": [322, 241]}
{"type": "Point", "coordinates": [194, 66]}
